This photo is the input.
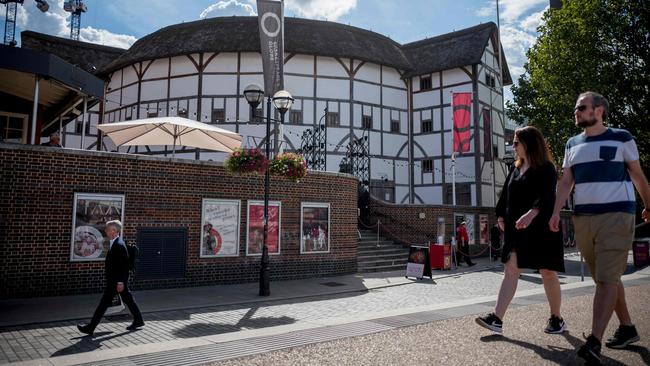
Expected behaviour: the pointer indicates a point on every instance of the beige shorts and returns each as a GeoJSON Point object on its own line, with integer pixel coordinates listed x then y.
{"type": "Point", "coordinates": [605, 241]}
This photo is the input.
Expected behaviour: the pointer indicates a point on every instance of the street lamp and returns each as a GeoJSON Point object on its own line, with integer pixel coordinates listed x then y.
{"type": "Point", "coordinates": [282, 101]}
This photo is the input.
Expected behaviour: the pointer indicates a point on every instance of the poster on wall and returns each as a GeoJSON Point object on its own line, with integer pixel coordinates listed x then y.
{"type": "Point", "coordinates": [469, 225]}
{"type": "Point", "coordinates": [220, 228]}
{"type": "Point", "coordinates": [90, 214]}
{"type": "Point", "coordinates": [315, 227]}
{"type": "Point", "coordinates": [255, 230]}
{"type": "Point", "coordinates": [484, 230]}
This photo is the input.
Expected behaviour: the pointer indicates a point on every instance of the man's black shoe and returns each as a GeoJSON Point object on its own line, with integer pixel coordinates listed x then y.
{"type": "Point", "coordinates": [471, 264]}
{"type": "Point", "coordinates": [624, 336]}
{"type": "Point", "coordinates": [86, 329]}
{"type": "Point", "coordinates": [135, 325]}
{"type": "Point", "coordinates": [590, 351]}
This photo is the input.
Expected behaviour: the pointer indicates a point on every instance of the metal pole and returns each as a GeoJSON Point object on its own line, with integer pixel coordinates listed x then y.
{"type": "Point", "coordinates": [265, 273]}
{"type": "Point", "coordinates": [453, 178]}
{"type": "Point", "coordinates": [378, 223]}
{"type": "Point", "coordinates": [32, 137]}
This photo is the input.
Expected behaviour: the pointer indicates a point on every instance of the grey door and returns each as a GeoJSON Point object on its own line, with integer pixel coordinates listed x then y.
{"type": "Point", "coordinates": [162, 253]}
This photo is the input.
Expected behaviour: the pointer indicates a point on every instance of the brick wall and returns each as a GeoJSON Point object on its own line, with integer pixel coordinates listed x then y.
{"type": "Point", "coordinates": [418, 224]}
{"type": "Point", "coordinates": [37, 186]}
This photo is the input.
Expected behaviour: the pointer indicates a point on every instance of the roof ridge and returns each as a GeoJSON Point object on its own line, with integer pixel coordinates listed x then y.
{"type": "Point", "coordinates": [450, 35]}
{"type": "Point", "coordinates": [39, 35]}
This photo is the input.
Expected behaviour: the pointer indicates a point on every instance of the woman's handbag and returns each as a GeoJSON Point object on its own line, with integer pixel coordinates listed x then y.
{"type": "Point", "coordinates": [116, 305]}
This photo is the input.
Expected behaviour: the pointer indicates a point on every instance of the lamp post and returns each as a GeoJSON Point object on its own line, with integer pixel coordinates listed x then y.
{"type": "Point", "coordinates": [282, 101]}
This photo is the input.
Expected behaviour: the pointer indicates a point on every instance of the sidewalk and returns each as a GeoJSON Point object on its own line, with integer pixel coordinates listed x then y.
{"type": "Point", "coordinates": [61, 308]}
{"type": "Point", "coordinates": [231, 321]}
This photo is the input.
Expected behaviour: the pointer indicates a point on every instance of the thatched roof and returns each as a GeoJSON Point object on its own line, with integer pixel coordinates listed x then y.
{"type": "Point", "coordinates": [302, 36]}
{"type": "Point", "coordinates": [233, 34]}
{"type": "Point", "coordinates": [447, 51]}
{"type": "Point", "coordinates": [82, 54]}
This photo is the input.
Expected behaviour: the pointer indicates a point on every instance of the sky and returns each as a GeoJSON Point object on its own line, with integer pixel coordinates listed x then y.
{"type": "Point", "coordinates": [119, 23]}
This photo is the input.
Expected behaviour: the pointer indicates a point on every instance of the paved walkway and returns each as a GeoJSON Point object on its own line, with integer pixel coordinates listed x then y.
{"type": "Point", "coordinates": [181, 321]}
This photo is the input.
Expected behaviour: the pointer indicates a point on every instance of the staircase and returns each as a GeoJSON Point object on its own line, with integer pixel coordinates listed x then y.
{"type": "Point", "coordinates": [388, 256]}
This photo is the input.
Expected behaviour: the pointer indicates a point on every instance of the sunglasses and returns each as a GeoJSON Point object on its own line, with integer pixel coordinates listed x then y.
{"type": "Point", "coordinates": [580, 108]}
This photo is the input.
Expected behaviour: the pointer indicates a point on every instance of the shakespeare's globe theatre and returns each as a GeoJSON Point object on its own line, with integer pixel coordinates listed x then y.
{"type": "Point", "coordinates": [398, 96]}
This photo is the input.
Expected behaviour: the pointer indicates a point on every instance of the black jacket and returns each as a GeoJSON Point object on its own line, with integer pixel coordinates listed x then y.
{"type": "Point", "coordinates": [117, 263]}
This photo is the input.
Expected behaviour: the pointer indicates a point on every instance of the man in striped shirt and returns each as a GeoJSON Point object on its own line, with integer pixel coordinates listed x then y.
{"type": "Point", "coordinates": [601, 164]}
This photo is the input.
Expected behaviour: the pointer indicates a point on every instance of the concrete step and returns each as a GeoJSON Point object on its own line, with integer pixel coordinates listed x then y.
{"type": "Point", "coordinates": [382, 256]}
{"type": "Point", "coordinates": [373, 244]}
{"type": "Point", "coordinates": [386, 268]}
{"type": "Point", "coordinates": [381, 251]}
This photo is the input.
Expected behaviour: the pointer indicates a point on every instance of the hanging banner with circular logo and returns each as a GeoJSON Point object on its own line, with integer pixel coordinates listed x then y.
{"type": "Point", "coordinates": [271, 23]}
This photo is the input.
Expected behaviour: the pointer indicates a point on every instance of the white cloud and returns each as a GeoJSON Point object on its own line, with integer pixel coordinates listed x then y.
{"type": "Point", "coordinates": [320, 9]}
{"type": "Point", "coordinates": [56, 22]}
{"type": "Point", "coordinates": [531, 22]}
{"type": "Point", "coordinates": [312, 9]}
{"type": "Point", "coordinates": [106, 38]}
{"type": "Point", "coordinates": [511, 10]}
{"type": "Point", "coordinates": [230, 7]}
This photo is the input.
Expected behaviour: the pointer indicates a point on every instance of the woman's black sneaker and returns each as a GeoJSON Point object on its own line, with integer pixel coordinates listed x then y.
{"type": "Point", "coordinates": [491, 322]}
{"type": "Point", "coordinates": [623, 337]}
{"type": "Point", "coordinates": [555, 325]}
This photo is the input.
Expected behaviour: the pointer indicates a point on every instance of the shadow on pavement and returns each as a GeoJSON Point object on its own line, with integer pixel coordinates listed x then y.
{"type": "Point", "coordinates": [246, 322]}
{"type": "Point", "coordinates": [559, 355]}
{"type": "Point", "coordinates": [642, 351]}
{"type": "Point", "coordinates": [86, 343]}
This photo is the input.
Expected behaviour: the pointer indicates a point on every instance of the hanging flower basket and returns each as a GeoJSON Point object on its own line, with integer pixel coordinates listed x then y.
{"type": "Point", "coordinates": [290, 165]}
{"type": "Point", "coordinates": [246, 161]}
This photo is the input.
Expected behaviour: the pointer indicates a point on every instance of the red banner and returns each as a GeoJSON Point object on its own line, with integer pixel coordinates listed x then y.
{"type": "Point", "coordinates": [462, 104]}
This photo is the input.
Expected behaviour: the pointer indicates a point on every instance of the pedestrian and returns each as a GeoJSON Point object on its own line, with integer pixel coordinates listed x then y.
{"type": "Point", "coordinates": [55, 140]}
{"type": "Point", "coordinates": [463, 244]}
{"type": "Point", "coordinates": [523, 211]}
{"type": "Point", "coordinates": [117, 277]}
{"type": "Point", "coordinates": [602, 165]}
{"type": "Point", "coordinates": [495, 240]}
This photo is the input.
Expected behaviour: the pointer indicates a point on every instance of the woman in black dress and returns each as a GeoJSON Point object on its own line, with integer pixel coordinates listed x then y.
{"type": "Point", "coordinates": [523, 212]}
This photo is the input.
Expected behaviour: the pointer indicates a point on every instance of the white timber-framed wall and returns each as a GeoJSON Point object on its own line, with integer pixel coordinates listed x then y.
{"type": "Point", "coordinates": [209, 86]}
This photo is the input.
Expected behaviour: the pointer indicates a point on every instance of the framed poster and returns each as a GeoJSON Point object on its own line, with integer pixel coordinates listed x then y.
{"type": "Point", "coordinates": [255, 229]}
{"type": "Point", "coordinates": [484, 229]}
{"type": "Point", "coordinates": [220, 228]}
{"type": "Point", "coordinates": [90, 213]}
{"type": "Point", "coordinates": [314, 227]}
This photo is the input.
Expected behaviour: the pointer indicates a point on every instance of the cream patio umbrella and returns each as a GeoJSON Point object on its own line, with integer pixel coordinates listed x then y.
{"type": "Point", "coordinates": [175, 131]}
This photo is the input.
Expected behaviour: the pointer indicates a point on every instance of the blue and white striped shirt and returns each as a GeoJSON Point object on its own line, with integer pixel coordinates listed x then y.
{"type": "Point", "coordinates": [602, 182]}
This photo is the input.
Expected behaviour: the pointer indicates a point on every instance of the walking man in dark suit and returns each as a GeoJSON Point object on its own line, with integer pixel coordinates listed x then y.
{"type": "Point", "coordinates": [117, 277]}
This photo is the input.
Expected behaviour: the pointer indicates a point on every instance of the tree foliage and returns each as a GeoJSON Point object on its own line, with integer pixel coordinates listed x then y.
{"type": "Point", "coordinates": [596, 45]}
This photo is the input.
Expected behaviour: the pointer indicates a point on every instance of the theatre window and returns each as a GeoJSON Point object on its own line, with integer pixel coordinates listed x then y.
{"type": "Point", "coordinates": [427, 126]}
{"type": "Point", "coordinates": [425, 82]}
{"type": "Point", "coordinates": [427, 166]}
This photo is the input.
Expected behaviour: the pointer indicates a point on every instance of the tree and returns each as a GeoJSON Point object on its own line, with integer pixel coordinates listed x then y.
{"type": "Point", "coordinates": [596, 45]}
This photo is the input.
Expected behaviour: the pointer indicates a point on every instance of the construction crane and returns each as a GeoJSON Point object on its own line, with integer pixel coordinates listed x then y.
{"type": "Point", "coordinates": [10, 18]}
{"type": "Point", "coordinates": [76, 7]}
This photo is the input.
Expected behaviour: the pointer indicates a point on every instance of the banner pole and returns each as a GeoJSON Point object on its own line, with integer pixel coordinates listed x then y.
{"type": "Point", "coordinates": [453, 154]}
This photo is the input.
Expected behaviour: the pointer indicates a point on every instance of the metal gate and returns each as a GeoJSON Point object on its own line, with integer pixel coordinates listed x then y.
{"type": "Point", "coordinates": [162, 253]}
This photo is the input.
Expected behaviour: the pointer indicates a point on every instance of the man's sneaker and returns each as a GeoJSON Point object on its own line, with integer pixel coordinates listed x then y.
{"type": "Point", "coordinates": [491, 322]}
{"type": "Point", "coordinates": [590, 351]}
{"type": "Point", "coordinates": [624, 336]}
{"type": "Point", "coordinates": [555, 325]}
